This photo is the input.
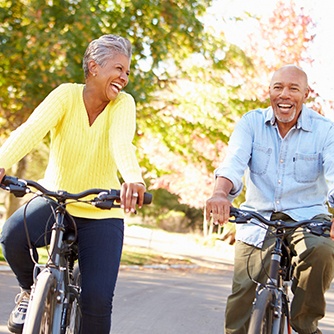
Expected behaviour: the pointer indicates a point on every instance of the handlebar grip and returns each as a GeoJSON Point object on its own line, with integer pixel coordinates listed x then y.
{"type": "Point", "coordinates": [14, 185]}
{"type": "Point", "coordinates": [148, 198]}
{"type": "Point", "coordinates": [233, 210]}
{"type": "Point", "coordinates": [8, 180]}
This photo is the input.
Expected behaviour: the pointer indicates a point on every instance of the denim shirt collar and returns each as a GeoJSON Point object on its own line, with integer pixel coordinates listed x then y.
{"type": "Point", "coordinates": [304, 120]}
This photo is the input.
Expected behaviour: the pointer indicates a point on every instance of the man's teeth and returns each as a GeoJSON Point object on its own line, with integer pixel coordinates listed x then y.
{"type": "Point", "coordinates": [284, 105]}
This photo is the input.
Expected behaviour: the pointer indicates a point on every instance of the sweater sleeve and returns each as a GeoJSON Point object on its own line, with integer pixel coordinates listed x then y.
{"type": "Point", "coordinates": [122, 133]}
{"type": "Point", "coordinates": [28, 135]}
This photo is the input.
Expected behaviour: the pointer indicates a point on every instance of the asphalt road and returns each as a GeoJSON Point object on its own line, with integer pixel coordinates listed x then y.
{"type": "Point", "coordinates": [156, 301]}
{"type": "Point", "coordinates": [167, 301]}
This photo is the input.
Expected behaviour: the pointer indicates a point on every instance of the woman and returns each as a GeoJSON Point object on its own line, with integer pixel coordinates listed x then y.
{"type": "Point", "coordinates": [91, 128]}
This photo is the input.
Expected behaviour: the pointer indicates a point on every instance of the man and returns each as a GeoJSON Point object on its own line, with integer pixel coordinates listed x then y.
{"type": "Point", "coordinates": [287, 154]}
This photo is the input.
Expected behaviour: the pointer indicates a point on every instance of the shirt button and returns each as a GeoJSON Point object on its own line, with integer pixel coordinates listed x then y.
{"type": "Point", "coordinates": [279, 181]}
{"type": "Point", "coordinates": [281, 161]}
{"type": "Point", "coordinates": [277, 202]}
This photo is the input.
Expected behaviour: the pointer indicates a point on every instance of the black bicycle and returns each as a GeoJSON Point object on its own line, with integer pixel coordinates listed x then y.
{"type": "Point", "coordinates": [54, 305]}
{"type": "Point", "coordinates": [270, 312]}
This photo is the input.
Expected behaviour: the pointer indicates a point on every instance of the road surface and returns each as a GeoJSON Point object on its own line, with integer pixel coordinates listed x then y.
{"type": "Point", "coordinates": [167, 301]}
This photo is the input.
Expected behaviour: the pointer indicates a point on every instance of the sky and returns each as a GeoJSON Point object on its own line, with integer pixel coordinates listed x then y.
{"type": "Point", "coordinates": [321, 74]}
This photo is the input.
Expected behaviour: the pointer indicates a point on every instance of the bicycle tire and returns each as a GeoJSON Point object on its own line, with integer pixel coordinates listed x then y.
{"type": "Point", "coordinates": [74, 321]}
{"type": "Point", "coordinates": [41, 307]}
{"type": "Point", "coordinates": [261, 321]}
{"type": "Point", "coordinates": [285, 326]}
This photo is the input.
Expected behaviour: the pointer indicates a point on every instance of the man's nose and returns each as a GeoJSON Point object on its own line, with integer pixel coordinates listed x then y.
{"type": "Point", "coordinates": [285, 92]}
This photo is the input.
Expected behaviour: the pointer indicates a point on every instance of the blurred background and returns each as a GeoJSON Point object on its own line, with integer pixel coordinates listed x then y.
{"type": "Point", "coordinates": [197, 66]}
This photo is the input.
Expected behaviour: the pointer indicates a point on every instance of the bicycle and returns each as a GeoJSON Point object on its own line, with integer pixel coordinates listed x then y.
{"type": "Point", "coordinates": [270, 310]}
{"type": "Point", "coordinates": [54, 305]}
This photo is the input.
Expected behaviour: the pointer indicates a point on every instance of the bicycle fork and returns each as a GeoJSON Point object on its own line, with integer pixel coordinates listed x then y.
{"type": "Point", "coordinates": [279, 290]}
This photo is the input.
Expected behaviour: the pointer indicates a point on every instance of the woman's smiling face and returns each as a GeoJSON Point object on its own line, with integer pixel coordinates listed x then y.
{"type": "Point", "coordinates": [288, 91]}
{"type": "Point", "coordinates": [113, 76]}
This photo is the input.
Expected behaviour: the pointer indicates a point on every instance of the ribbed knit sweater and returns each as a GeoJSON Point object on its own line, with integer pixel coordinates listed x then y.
{"type": "Point", "coordinates": [81, 156]}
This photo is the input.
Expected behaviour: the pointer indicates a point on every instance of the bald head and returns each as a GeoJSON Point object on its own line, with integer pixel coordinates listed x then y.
{"type": "Point", "coordinates": [289, 72]}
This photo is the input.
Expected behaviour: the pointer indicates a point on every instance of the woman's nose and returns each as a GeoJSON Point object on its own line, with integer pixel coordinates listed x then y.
{"type": "Point", "coordinates": [124, 78]}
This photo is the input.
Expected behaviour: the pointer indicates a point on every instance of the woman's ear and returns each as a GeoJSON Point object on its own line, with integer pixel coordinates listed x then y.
{"type": "Point", "coordinates": [92, 67]}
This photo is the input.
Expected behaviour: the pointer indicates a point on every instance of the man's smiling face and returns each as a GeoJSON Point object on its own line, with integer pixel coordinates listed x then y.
{"type": "Point", "coordinates": [288, 91]}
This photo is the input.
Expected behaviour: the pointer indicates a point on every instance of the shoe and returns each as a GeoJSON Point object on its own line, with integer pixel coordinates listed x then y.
{"type": "Point", "coordinates": [18, 315]}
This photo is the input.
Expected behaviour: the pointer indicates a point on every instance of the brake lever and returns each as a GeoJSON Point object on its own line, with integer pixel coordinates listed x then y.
{"type": "Point", "coordinates": [321, 228]}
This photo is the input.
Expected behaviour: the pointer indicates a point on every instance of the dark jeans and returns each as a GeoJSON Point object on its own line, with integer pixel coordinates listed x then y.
{"type": "Point", "coordinates": [100, 244]}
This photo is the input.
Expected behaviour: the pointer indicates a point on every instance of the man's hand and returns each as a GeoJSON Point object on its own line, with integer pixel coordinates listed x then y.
{"type": "Point", "coordinates": [131, 195]}
{"type": "Point", "coordinates": [218, 207]}
{"type": "Point", "coordinates": [332, 230]}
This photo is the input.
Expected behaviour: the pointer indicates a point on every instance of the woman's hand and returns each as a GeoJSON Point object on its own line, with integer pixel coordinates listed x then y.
{"type": "Point", "coordinates": [132, 194]}
{"type": "Point", "coordinates": [2, 173]}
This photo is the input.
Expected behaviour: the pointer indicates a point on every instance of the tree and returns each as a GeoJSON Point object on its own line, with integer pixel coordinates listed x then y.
{"type": "Point", "coordinates": [190, 85]}
{"type": "Point", "coordinates": [220, 85]}
{"type": "Point", "coordinates": [283, 38]}
{"type": "Point", "coordinates": [42, 44]}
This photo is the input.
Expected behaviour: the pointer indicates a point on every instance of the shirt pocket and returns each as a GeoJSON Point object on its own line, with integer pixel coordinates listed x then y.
{"type": "Point", "coordinates": [307, 167]}
{"type": "Point", "coordinates": [260, 159]}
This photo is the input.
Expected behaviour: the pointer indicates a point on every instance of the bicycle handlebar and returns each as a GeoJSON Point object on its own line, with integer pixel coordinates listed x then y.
{"type": "Point", "coordinates": [104, 200]}
{"type": "Point", "coordinates": [244, 216]}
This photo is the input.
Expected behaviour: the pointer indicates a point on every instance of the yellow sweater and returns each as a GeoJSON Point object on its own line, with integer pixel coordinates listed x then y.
{"type": "Point", "coordinates": [81, 156]}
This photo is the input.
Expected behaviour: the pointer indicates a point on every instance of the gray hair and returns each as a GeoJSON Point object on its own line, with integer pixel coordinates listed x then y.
{"type": "Point", "coordinates": [102, 49]}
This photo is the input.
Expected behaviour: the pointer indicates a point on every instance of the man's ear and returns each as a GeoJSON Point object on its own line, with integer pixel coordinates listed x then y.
{"type": "Point", "coordinates": [307, 92]}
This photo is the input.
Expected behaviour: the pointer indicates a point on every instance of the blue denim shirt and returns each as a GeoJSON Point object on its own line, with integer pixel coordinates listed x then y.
{"type": "Point", "coordinates": [294, 174]}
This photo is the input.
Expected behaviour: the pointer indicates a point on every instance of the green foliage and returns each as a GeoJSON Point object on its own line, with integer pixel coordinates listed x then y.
{"type": "Point", "coordinates": [131, 256]}
{"type": "Point", "coordinates": [190, 85]}
{"type": "Point", "coordinates": [42, 43]}
{"type": "Point", "coordinates": [167, 212]}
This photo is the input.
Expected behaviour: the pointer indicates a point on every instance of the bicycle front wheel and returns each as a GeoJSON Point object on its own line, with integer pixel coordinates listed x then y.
{"type": "Point", "coordinates": [262, 317]}
{"type": "Point", "coordinates": [75, 310]}
{"type": "Point", "coordinates": [41, 307]}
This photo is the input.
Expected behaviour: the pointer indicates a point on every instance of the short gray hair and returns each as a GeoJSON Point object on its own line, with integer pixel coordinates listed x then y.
{"type": "Point", "coordinates": [105, 47]}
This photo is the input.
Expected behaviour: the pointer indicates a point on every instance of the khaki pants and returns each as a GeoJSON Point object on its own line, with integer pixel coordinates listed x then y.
{"type": "Point", "coordinates": [313, 274]}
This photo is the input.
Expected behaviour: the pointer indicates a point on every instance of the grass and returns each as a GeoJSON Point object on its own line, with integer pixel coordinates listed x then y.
{"type": "Point", "coordinates": [130, 256]}
{"type": "Point", "coordinates": [143, 256]}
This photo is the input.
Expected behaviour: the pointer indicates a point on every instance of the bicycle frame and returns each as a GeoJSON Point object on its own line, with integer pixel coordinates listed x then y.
{"type": "Point", "coordinates": [57, 266]}
{"type": "Point", "coordinates": [271, 303]}
{"type": "Point", "coordinates": [277, 284]}
{"type": "Point", "coordinates": [51, 300]}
